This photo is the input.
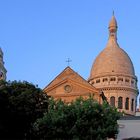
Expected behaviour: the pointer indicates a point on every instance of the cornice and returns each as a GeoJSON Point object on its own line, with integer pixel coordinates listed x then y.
{"type": "Point", "coordinates": [119, 88]}
{"type": "Point", "coordinates": [71, 94]}
{"type": "Point", "coordinates": [88, 87]}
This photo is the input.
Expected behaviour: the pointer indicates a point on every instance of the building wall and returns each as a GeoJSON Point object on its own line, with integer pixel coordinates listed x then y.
{"type": "Point", "coordinates": [118, 86]}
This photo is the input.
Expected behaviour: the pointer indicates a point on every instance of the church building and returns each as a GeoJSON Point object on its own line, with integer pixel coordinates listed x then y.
{"type": "Point", "coordinates": [112, 73]}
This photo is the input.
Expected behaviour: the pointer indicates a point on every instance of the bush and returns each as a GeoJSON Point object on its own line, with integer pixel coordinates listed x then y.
{"type": "Point", "coordinates": [80, 120]}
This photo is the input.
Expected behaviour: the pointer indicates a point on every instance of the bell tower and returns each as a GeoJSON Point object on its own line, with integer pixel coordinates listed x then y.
{"type": "Point", "coordinates": [3, 71]}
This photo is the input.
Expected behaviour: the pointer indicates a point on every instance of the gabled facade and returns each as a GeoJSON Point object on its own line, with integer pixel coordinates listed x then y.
{"type": "Point", "coordinates": [69, 85]}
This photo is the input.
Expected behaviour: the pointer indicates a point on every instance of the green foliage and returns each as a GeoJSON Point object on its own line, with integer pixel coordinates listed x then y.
{"type": "Point", "coordinates": [23, 106]}
{"type": "Point", "coordinates": [21, 103]}
{"type": "Point", "coordinates": [80, 120]}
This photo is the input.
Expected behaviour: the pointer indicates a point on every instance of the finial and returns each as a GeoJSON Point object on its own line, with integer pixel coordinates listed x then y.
{"type": "Point", "coordinates": [113, 13]}
{"type": "Point", "coordinates": [113, 23]}
{"type": "Point", "coordinates": [113, 26]}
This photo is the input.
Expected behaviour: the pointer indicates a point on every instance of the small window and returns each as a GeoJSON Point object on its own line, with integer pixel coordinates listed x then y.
{"type": "Point", "coordinates": [113, 79]}
{"type": "Point", "coordinates": [127, 80]}
{"type": "Point", "coordinates": [98, 81]}
{"type": "Point", "coordinates": [105, 80]}
{"type": "Point", "coordinates": [132, 82]}
{"type": "Point", "coordinates": [120, 79]}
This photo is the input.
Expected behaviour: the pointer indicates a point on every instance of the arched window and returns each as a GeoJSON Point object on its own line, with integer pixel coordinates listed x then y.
{"type": "Point", "coordinates": [120, 102]}
{"type": "Point", "coordinates": [105, 79]}
{"type": "Point", "coordinates": [127, 80]}
{"type": "Point", "coordinates": [132, 82]}
{"type": "Point", "coordinates": [113, 79]}
{"type": "Point", "coordinates": [132, 105]}
{"type": "Point", "coordinates": [120, 79]}
{"type": "Point", "coordinates": [127, 104]}
{"type": "Point", "coordinates": [112, 101]}
{"type": "Point", "coordinates": [98, 81]}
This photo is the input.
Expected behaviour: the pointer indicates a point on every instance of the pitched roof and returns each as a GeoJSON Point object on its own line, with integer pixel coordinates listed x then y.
{"type": "Point", "coordinates": [69, 74]}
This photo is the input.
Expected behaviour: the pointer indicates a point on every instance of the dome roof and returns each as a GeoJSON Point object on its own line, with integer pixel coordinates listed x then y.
{"type": "Point", "coordinates": [113, 59]}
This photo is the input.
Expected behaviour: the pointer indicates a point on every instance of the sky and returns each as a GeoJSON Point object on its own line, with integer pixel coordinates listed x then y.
{"type": "Point", "coordinates": [38, 36]}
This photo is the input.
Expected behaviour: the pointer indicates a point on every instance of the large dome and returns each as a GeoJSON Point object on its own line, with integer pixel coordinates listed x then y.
{"type": "Point", "coordinates": [112, 60]}
{"type": "Point", "coordinates": [113, 74]}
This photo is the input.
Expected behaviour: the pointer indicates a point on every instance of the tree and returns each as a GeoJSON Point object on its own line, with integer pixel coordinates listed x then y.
{"type": "Point", "coordinates": [21, 103]}
{"type": "Point", "coordinates": [79, 120]}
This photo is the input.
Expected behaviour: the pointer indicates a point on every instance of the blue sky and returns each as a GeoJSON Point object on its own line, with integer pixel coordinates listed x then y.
{"type": "Point", "coordinates": [37, 36]}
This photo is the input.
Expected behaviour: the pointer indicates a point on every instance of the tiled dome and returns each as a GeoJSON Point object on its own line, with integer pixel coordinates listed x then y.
{"type": "Point", "coordinates": [113, 59]}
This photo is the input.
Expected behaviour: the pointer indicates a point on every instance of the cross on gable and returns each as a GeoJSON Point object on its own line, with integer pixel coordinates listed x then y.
{"type": "Point", "coordinates": [68, 61]}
